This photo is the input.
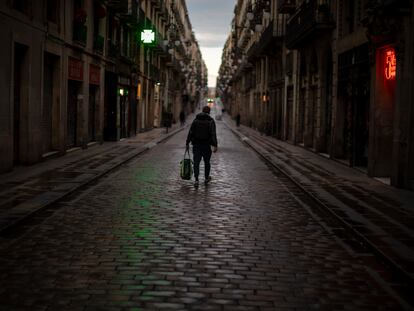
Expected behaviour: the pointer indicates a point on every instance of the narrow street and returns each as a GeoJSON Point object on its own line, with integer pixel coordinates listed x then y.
{"type": "Point", "coordinates": [140, 238]}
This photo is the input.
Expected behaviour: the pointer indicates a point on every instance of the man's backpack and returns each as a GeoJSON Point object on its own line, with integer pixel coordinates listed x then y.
{"type": "Point", "coordinates": [202, 130]}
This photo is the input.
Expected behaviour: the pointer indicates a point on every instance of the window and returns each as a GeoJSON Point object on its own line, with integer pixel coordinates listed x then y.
{"type": "Point", "coordinates": [52, 10]}
{"type": "Point", "coordinates": [21, 5]}
{"type": "Point", "coordinates": [348, 17]}
{"type": "Point", "coordinates": [125, 41]}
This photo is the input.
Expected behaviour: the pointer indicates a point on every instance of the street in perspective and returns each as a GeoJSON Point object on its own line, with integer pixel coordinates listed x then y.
{"type": "Point", "coordinates": [207, 155]}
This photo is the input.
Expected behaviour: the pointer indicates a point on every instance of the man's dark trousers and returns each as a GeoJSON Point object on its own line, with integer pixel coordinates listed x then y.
{"type": "Point", "coordinates": [202, 151]}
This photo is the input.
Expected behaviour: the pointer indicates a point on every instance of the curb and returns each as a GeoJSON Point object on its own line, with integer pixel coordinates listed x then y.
{"type": "Point", "coordinates": [396, 268]}
{"type": "Point", "coordinates": [10, 226]}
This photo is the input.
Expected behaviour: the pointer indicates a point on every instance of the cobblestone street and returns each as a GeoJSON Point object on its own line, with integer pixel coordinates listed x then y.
{"type": "Point", "coordinates": [143, 239]}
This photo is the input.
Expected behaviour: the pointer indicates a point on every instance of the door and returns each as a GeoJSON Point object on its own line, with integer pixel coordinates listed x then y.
{"type": "Point", "coordinates": [20, 81]}
{"type": "Point", "coordinates": [72, 112]}
{"type": "Point", "coordinates": [311, 117]}
{"type": "Point", "coordinates": [122, 102]}
{"type": "Point", "coordinates": [92, 113]}
{"type": "Point", "coordinates": [47, 109]}
{"type": "Point", "coordinates": [360, 130]}
{"type": "Point", "coordinates": [110, 108]}
{"type": "Point", "coordinates": [301, 116]}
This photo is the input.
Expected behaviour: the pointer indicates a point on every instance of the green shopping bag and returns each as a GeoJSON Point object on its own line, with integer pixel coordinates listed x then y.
{"type": "Point", "coordinates": [186, 164]}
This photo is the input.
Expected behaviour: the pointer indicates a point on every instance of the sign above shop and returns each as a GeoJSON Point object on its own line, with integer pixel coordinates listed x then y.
{"type": "Point", "coordinates": [390, 64]}
{"type": "Point", "coordinates": [75, 69]}
{"type": "Point", "coordinates": [94, 74]}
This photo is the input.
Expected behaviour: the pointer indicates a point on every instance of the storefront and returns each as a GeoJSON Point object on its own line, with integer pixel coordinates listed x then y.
{"type": "Point", "coordinates": [383, 109]}
{"type": "Point", "coordinates": [93, 111]}
{"type": "Point", "coordinates": [124, 106]}
{"type": "Point", "coordinates": [353, 106]}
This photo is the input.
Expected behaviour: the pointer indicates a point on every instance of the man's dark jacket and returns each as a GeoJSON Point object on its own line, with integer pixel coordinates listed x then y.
{"type": "Point", "coordinates": [203, 131]}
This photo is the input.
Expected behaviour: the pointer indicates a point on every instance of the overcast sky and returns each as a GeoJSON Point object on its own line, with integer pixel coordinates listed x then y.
{"type": "Point", "coordinates": [211, 23]}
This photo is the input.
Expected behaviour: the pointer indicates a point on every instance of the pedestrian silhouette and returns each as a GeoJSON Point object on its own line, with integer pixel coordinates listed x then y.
{"type": "Point", "coordinates": [182, 117]}
{"type": "Point", "coordinates": [202, 135]}
{"type": "Point", "coordinates": [238, 119]}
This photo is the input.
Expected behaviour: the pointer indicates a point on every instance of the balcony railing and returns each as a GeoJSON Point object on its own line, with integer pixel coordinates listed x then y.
{"type": "Point", "coordinates": [80, 34]}
{"type": "Point", "coordinates": [271, 37]}
{"type": "Point", "coordinates": [98, 43]}
{"type": "Point", "coordinates": [160, 46]}
{"type": "Point", "coordinates": [164, 12]}
{"type": "Point", "coordinates": [286, 6]}
{"type": "Point", "coordinates": [156, 3]}
{"type": "Point", "coordinates": [311, 18]}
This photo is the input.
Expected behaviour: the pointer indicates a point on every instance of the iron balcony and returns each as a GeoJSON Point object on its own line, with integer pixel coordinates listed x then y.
{"type": "Point", "coordinates": [286, 6]}
{"type": "Point", "coordinates": [309, 20]}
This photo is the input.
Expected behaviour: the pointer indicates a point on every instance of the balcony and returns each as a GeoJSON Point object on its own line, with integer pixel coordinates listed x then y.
{"type": "Point", "coordinates": [286, 6]}
{"type": "Point", "coordinates": [98, 43]}
{"type": "Point", "coordinates": [270, 38]}
{"type": "Point", "coordinates": [160, 45]}
{"type": "Point", "coordinates": [310, 20]}
{"type": "Point", "coordinates": [175, 65]}
{"type": "Point", "coordinates": [80, 33]}
{"type": "Point", "coordinates": [164, 13]}
{"type": "Point", "coordinates": [395, 4]}
{"type": "Point", "coordinates": [156, 3]}
{"type": "Point", "coordinates": [127, 9]}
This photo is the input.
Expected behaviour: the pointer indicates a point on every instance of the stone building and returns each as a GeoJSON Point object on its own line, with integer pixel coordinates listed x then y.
{"type": "Point", "coordinates": [76, 73]}
{"type": "Point", "coordinates": [332, 76]}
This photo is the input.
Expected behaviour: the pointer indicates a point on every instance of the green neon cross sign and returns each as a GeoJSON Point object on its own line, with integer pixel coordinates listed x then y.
{"type": "Point", "coordinates": [147, 36]}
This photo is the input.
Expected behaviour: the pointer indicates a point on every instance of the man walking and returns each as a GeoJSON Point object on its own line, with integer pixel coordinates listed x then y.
{"type": "Point", "coordinates": [202, 135]}
{"type": "Point", "coordinates": [182, 118]}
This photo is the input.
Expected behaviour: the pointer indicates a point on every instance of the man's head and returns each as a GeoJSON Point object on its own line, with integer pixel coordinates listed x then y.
{"type": "Point", "coordinates": [206, 109]}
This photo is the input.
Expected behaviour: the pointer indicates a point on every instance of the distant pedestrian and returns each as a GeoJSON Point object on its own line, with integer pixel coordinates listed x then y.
{"type": "Point", "coordinates": [167, 120]}
{"type": "Point", "coordinates": [182, 118]}
{"type": "Point", "coordinates": [202, 135]}
{"type": "Point", "coordinates": [238, 119]}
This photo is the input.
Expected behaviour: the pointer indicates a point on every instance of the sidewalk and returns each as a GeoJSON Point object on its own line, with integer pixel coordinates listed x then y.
{"type": "Point", "coordinates": [28, 189]}
{"type": "Point", "coordinates": [380, 214]}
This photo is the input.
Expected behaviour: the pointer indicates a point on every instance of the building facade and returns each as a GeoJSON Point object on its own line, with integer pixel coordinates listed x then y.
{"type": "Point", "coordinates": [76, 73]}
{"type": "Point", "coordinates": [332, 76]}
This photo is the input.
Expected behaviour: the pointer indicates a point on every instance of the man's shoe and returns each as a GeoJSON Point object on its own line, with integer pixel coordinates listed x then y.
{"type": "Point", "coordinates": [196, 183]}
{"type": "Point", "coordinates": [208, 179]}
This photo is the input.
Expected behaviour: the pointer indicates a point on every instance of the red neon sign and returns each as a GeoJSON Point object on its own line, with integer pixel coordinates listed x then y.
{"type": "Point", "coordinates": [390, 64]}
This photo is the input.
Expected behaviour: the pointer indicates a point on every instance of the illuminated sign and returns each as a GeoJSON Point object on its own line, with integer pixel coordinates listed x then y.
{"type": "Point", "coordinates": [390, 64]}
{"type": "Point", "coordinates": [123, 92]}
{"type": "Point", "coordinates": [147, 36]}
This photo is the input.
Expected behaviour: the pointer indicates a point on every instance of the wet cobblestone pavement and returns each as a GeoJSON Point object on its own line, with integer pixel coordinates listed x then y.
{"type": "Point", "coordinates": [381, 215]}
{"type": "Point", "coordinates": [142, 239]}
{"type": "Point", "coordinates": [26, 190]}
